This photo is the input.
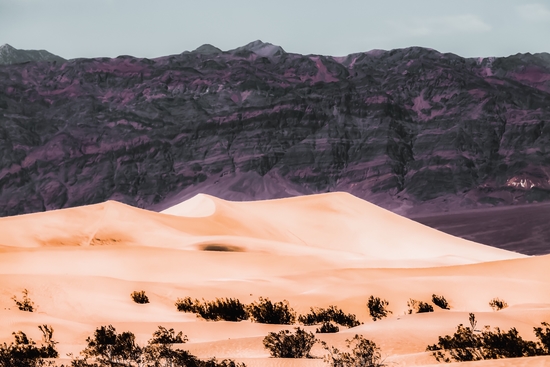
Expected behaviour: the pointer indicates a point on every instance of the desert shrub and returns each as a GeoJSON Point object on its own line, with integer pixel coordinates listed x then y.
{"type": "Point", "coordinates": [465, 345]}
{"type": "Point", "coordinates": [327, 327]}
{"type": "Point", "coordinates": [331, 314]}
{"type": "Point", "coordinates": [424, 307]}
{"type": "Point", "coordinates": [24, 352]}
{"type": "Point", "coordinates": [543, 334]}
{"type": "Point", "coordinates": [109, 348]}
{"type": "Point", "coordinates": [499, 344]}
{"type": "Point", "coordinates": [79, 362]}
{"type": "Point", "coordinates": [497, 304]}
{"type": "Point", "coordinates": [188, 305]}
{"type": "Point", "coordinates": [159, 350]}
{"type": "Point", "coordinates": [25, 304]}
{"type": "Point", "coordinates": [473, 321]}
{"type": "Point", "coordinates": [266, 312]}
{"type": "Point", "coordinates": [440, 302]}
{"type": "Point", "coordinates": [286, 344]}
{"type": "Point", "coordinates": [214, 363]}
{"type": "Point", "coordinates": [364, 353]}
{"type": "Point", "coordinates": [377, 308]}
{"type": "Point", "coordinates": [227, 309]}
{"type": "Point", "coordinates": [139, 297]}
{"type": "Point", "coordinates": [419, 306]}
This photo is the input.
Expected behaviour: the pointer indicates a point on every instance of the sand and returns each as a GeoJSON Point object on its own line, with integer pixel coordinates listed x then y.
{"type": "Point", "coordinates": [80, 266]}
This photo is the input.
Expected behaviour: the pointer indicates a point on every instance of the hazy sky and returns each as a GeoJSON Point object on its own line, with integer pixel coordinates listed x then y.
{"type": "Point", "coordinates": [92, 28]}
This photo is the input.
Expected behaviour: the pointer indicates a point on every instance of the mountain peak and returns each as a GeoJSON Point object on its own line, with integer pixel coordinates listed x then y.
{"type": "Point", "coordinates": [207, 49]}
{"type": "Point", "coordinates": [257, 44]}
{"type": "Point", "coordinates": [6, 46]}
{"type": "Point", "coordinates": [262, 49]}
{"type": "Point", "coordinates": [11, 55]}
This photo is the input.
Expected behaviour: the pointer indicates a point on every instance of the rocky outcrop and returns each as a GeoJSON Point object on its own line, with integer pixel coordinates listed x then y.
{"type": "Point", "coordinates": [412, 130]}
{"type": "Point", "coordinates": [10, 55]}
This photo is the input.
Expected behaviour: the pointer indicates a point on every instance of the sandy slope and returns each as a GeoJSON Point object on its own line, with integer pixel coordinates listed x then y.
{"type": "Point", "coordinates": [81, 264]}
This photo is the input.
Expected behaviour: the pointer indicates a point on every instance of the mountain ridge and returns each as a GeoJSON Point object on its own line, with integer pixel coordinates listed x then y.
{"type": "Point", "coordinates": [412, 130]}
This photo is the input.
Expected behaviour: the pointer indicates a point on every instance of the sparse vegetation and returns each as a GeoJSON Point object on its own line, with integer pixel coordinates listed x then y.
{"type": "Point", "coordinates": [364, 353]}
{"type": "Point", "coordinates": [473, 321]}
{"type": "Point", "coordinates": [266, 312]}
{"type": "Point", "coordinates": [419, 306]}
{"type": "Point", "coordinates": [497, 304]}
{"type": "Point", "coordinates": [286, 344]}
{"type": "Point", "coordinates": [107, 348]}
{"type": "Point", "coordinates": [465, 345]}
{"type": "Point", "coordinates": [440, 302]}
{"type": "Point", "coordinates": [377, 308]}
{"type": "Point", "coordinates": [227, 309]}
{"type": "Point", "coordinates": [24, 304]}
{"type": "Point", "coordinates": [139, 297]}
{"type": "Point", "coordinates": [213, 362]}
{"type": "Point", "coordinates": [24, 352]}
{"type": "Point", "coordinates": [330, 314]}
{"type": "Point", "coordinates": [188, 305]}
{"type": "Point", "coordinates": [159, 350]}
{"type": "Point", "coordinates": [543, 334]}
{"type": "Point", "coordinates": [327, 327]}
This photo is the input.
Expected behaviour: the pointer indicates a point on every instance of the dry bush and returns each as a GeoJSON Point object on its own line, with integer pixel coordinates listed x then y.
{"type": "Point", "coordinates": [330, 314]}
{"type": "Point", "coordinates": [139, 297]}
{"type": "Point", "coordinates": [440, 302]}
{"type": "Point", "coordinates": [327, 327]}
{"type": "Point", "coordinates": [227, 309]}
{"type": "Point", "coordinates": [25, 304]}
{"type": "Point", "coordinates": [286, 344]}
{"type": "Point", "coordinates": [107, 348]}
{"type": "Point", "coordinates": [24, 352]}
{"type": "Point", "coordinates": [266, 312]}
{"type": "Point", "coordinates": [419, 306]}
{"type": "Point", "coordinates": [188, 305]}
{"type": "Point", "coordinates": [497, 304]}
{"type": "Point", "coordinates": [377, 308]}
{"type": "Point", "coordinates": [363, 353]}
{"type": "Point", "coordinates": [466, 345]}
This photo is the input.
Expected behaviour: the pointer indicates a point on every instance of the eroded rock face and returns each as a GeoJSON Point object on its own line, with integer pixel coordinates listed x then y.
{"type": "Point", "coordinates": [412, 130]}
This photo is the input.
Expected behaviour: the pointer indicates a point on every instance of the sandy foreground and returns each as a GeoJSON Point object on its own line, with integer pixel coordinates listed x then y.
{"type": "Point", "coordinates": [80, 266]}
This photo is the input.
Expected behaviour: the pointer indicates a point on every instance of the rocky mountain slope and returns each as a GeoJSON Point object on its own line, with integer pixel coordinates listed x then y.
{"type": "Point", "coordinates": [412, 130]}
{"type": "Point", "coordinates": [10, 55]}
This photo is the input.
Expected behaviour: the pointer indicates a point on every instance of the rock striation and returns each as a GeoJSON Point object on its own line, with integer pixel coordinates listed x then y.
{"type": "Point", "coordinates": [412, 130]}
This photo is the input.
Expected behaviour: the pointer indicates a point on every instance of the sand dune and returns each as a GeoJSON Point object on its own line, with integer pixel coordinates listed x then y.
{"type": "Point", "coordinates": [80, 266]}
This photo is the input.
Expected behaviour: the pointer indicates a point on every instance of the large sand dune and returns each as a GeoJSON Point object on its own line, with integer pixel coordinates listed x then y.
{"type": "Point", "coordinates": [80, 266]}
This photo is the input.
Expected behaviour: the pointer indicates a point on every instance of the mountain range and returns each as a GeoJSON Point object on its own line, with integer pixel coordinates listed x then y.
{"type": "Point", "coordinates": [413, 130]}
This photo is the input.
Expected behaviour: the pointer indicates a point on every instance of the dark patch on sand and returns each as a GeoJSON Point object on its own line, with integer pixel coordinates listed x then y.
{"type": "Point", "coordinates": [221, 248]}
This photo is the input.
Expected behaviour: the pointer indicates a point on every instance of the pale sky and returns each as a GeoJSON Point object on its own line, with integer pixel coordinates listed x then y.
{"type": "Point", "coordinates": [97, 28]}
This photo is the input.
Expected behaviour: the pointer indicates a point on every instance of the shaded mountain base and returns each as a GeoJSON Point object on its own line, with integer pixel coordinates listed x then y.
{"type": "Point", "coordinates": [523, 229]}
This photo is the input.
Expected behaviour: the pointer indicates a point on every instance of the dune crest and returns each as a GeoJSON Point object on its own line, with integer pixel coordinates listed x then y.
{"type": "Point", "coordinates": [344, 223]}
{"type": "Point", "coordinates": [200, 205]}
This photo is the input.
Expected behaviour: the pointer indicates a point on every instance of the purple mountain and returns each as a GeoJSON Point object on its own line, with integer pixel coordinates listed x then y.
{"type": "Point", "coordinates": [413, 130]}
